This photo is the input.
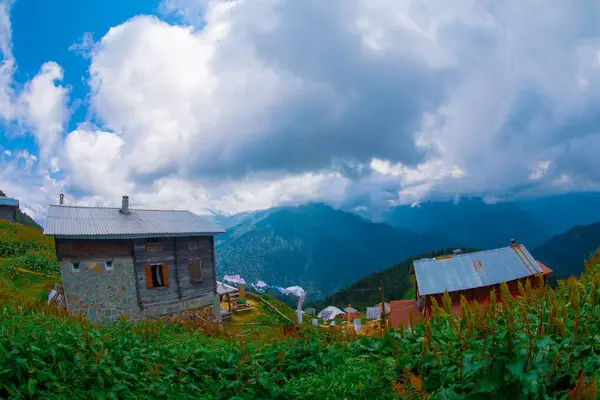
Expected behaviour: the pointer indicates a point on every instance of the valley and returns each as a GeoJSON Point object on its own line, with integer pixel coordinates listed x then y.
{"type": "Point", "coordinates": [325, 250]}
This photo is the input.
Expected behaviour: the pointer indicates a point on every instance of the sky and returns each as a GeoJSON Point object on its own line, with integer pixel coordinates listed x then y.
{"type": "Point", "coordinates": [237, 105]}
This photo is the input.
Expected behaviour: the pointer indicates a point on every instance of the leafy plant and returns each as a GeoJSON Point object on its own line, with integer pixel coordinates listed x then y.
{"type": "Point", "coordinates": [542, 344]}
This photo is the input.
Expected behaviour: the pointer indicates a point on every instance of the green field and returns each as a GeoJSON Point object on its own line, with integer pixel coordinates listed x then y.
{"type": "Point", "coordinates": [543, 344]}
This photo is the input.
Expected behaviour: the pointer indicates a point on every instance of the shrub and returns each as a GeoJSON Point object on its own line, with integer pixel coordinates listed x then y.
{"type": "Point", "coordinates": [43, 261]}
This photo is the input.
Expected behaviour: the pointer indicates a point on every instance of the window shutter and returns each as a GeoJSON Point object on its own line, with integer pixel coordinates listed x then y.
{"type": "Point", "coordinates": [148, 269]}
{"type": "Point", "coordinates": [191, 269]}
{"type": "Point", "coordinates": [195, 267]}
{"type": "Point", "coordinates": [165, 271]}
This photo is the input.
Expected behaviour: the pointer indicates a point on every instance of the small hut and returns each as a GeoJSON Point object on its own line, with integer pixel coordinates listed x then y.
{"type": "Point", "coordinates": [8, 209]}
{"type": "Point", "coordinates": [331, 313]}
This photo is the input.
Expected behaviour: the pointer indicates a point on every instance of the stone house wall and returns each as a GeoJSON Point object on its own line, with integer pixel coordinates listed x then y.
{"type": "Point", "coordinates": [102, 294]}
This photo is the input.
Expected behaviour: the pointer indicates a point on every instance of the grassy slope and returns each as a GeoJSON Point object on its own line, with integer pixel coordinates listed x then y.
{"type": "Point", "coordinates": [541, 345]}
{"type": "Point", "coordinates": [27, 247]}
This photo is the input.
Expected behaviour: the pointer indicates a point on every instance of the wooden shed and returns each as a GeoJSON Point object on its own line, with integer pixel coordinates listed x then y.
{"type": "Point", "coordinates": [474, 275]}
{"type": "Point", "coordinates": [8, 209]}
{"type": "Point", "coordinates": [134, 262]}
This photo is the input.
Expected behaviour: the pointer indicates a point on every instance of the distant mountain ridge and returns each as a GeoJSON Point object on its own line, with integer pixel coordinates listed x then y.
{"type": "Point", "coordinates": [315, 246]}
{"type": "Point", "coordinates": [565, 253]}
{"type": "Point", "coordinates": [472, 222]}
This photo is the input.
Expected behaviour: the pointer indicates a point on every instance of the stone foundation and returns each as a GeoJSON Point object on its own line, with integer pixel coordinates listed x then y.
{"type": "Point", "coordinates": [101, 293]}
{"type": "Point", "coordinates": [176, 307]}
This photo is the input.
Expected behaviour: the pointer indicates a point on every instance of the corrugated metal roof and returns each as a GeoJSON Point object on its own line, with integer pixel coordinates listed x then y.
{"type": "Point", "coordinates": [468, 271]}
{"type": "Point", "coordinates": [224, 289]}
{"type": "Point", "coordinates": [7, 201]}
{"type": "Point", "coordinates": [104, 222]}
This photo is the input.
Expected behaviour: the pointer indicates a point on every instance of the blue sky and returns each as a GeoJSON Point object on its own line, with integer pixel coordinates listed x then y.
{"type": "Point", "coordinates": [242, 105]}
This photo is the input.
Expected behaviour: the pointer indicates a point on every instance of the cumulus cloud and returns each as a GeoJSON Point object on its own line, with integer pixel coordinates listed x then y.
{"type": "Point", "coordinates": [40, 108]}
{"type": "Point", "coordinates": [22, 178]}
{"type": "Point", "coordinates": [45, 111]}
{"type": "Point", "coordinates": [469, 98]}
{"type": "Point", "coordinates": [7, 63]}
{"type": "Point", "coordinates": [95, 163]}
{"type": "Point", "coordinates": [251, 104]}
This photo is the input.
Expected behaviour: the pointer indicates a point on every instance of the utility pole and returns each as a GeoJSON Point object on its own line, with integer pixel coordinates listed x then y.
{"type": "Point", "coordinates": [348, 329]}
{"type": "Point", "coordinates": [382, 304]}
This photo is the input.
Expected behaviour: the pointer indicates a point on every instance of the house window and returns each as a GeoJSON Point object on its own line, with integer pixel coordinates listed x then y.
{"type": "Point", "coordinates": [75, 265]}
{"type": "Point", "coordinates": [193, 244]}
{"type": "Point", "coordinates": [108, 265]}
{"type": "Point", "coordinates": [157, 275]}
{"type": "Point", "coordinates": [195, 267]}
{"type": "Point", "coordinates": [153, 245]}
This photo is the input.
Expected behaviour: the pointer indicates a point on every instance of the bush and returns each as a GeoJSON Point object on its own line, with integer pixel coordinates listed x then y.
{"type": "Point", "coordinates": [16, 240]}
{"type": "Point", "coordinates": [43, 261]}
{"type": "Point", "coordinates": [541, 345]}
{"type": "Point", "coordinates": [26, 247]}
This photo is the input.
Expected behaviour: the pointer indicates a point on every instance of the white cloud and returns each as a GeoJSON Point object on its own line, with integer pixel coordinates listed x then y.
{"type": "Point", "coordinates": [379, 102]}
{"type": "Point", "coordinates": [40, 108]}
{"type": "Point", "coordinates": [7, 64]}
{"type": "Point", "coordinates": [45, 107]}
{"type": "Point", "coordinates": [7, 153]}
{"type": "Point", "coordinates": [85, 46]}
{"type": "Point", "coordinates": [22, 179]}
{"type": "Point", "coordinates": [95, 163]}
{"type": "Point", "coordinates": [54, 165]}
{"type": "Point", "coordinates": [247, 91]}
{"type": "Point", "coordinates": [540, 170]}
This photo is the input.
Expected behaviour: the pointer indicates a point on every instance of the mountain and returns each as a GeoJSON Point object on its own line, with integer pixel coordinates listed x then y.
{"type": "Point", "coordinates": [23, 218]}
{"type": "Point", "coordinates": [561, 212]}
{"type": "Point", "coordinates": [227, 221]}
{"type": "Point", "coordinates": [316, 247]}
{"type": "Point", "coordinates": [564, 253]}
{"type": "Point", "coordinates": [398, 283]}
{"type": "Point", "coordinates": [471, 222]}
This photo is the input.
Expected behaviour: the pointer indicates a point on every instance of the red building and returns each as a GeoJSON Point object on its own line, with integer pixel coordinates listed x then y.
{"type": "Point", "coordinates": [471, 275]}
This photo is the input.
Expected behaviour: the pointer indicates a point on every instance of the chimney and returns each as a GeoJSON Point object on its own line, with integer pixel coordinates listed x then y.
{"type": "Point", "coordinates": [512, 243]}
{"type": "Point", "coordinates": [125, 207]}
{"type": "Point", "coordinates": [62, 199]}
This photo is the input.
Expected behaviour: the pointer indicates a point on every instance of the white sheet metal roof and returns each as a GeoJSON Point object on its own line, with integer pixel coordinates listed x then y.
{"type": "Point", "coordinates": [224, 289]}
{"type": "Point", "coordinates": [473, 270]}
{"type": "Point", "coordinates": [329, 313]}
{"type": "Point", "coordinates": [104, 222]}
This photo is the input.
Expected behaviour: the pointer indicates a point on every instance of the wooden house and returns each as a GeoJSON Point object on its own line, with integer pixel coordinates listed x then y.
{"type": "Point", "coordinates": [132, 262]}
{"type": "Point", "coordinates": [474, 275]}
{"type": "Point", "coordinates": [8, 209]}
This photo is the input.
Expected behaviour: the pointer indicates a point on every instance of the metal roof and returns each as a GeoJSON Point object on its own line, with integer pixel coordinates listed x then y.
{"type": "Point", "coordinates": [224, 289]}
{"type": "Point", "coordinates": [7, 201]}
{"type": "Point", "coordinates": [473, 270]}
{"type": "Point", "coordinates": [110, 223]}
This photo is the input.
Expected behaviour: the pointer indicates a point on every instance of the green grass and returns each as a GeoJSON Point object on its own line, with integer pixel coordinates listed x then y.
{"type": "Point", "coordinates": [28, 248]}
{"type": "Point", "coordinates": [409, 294]}
{"type": "Point", "coordinates": [539, 346]}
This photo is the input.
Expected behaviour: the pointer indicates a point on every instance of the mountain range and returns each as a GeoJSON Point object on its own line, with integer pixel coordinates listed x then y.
{"type": "Point", "coordinates": [316, 247]}
{"type": "Point", "coordinates": [564, 253]}
{"type": "Point", "coordinates": [324, 249]}
{"type": "Point", "coordinates": [472, 222]}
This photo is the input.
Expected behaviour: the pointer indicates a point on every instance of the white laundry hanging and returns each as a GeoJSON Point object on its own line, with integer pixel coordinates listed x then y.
{"type": "Point", "coordinates": [296, 291]}
{"type": "Point", "coordinates": [236, 279]}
